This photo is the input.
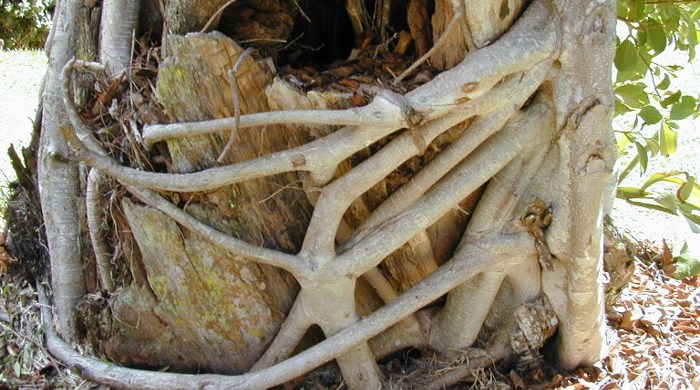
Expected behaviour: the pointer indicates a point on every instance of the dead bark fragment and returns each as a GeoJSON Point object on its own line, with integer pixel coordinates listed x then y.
{"type": "Point", "coordinates": [272, 213]}
{"type": "Point", "coordinates": [453, 50]}
{"type": "Point", "coordinates": [260, 23]}
{"type": "Point", "coordinates": [184, 16]}
{"type": "Point", "coordinates": [618, 261]}
{"type": "Point", "coordinates": [419, 24]}
{"type": "Point", "coordinates": [215, 305]}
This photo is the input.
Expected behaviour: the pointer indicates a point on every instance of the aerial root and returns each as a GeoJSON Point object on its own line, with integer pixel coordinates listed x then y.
{"type": "Point", "coordinates": [84, 134]}
{"type": "Point", "coordinates": [469, 261]}
{"type": "Point", "coordinates": [290, 334]}
{"type": "Point", "coordinates": [236, 102]}
{"type": "Point", "coordinates": [95, 221]}
{"type": "Point", "coordinates": [290, 263]}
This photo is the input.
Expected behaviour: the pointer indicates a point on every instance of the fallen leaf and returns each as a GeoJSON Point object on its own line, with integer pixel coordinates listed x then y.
{"type": "Point", "coordinates": [518, 382]}
{"type": "Point", "coordinates": [629, 318]}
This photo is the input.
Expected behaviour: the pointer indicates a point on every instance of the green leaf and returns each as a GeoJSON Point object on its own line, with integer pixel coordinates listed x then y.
{"type": "Point", "coordinates": [625, 56]}
{"type": "Point", "coordinates": [695, 15]}
{"type": "Point", "coordinates": [650, 115]}
{"type": "Point", "coordinates": [656, 37]}
{"type": "Point", "coordinates": [622, 140]}
{"type": "Point", "coordinates": [684, 108]}
{"type": "Point", "coordinates": [669, 203]}
{"type": "Point", "coordinates": [639, 9]}
{"type": "Point", "coordinates": [664, 83]}
{"type": "Point", "coordinates": [692, 37]}
{"type": "Point", "coordinates": [642, 155]}
{"type": "Point", "coordinates": [642, 37]}
{"type": "Point", "coordinates": [667, 139]}
{"type": "Point", "coordinates": [670, 17]}
{"type": "Point", "coordinates": [622, 10]}
{"type": "Point", "coordinates": [655, 178]}
{"type": "Point", "coordinates": [630, 192]}
{"type": "Point", "coordinates": [671, 99]}
{"type": "Point", "coordinates": [652, 146]}
{"type": "Point", "coordinates": [633, 95]}
{"type": "Point", "coordinates": [688, 262]}
{"type": "Point", "coordinates": [621, 108]}
{"type": "Point", "coordinates": [686, 189]}
{"type": "Point", "coordinates": [676, 178]}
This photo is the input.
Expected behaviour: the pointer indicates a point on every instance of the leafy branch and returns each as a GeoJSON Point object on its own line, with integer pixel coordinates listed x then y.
{"type": "Point", "coordinates": [649, 90]}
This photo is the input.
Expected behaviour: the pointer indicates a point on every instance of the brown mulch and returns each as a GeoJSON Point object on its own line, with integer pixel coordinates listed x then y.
{"type": "Point", "coordinates": [656, 342]}
{"type": "Point", "coordinates": [653, 335]}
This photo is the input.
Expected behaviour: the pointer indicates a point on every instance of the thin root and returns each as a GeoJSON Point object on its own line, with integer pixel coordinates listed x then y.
{"type": "Point", "coordinates": [236, 102]}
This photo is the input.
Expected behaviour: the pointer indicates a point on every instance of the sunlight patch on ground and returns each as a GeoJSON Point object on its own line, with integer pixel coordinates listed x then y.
{"type": "Point", "coordinates": [21, 72]}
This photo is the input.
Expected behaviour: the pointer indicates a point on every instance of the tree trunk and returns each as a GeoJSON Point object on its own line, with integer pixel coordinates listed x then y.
{"type": "Point", "coordinates": [294, 165]}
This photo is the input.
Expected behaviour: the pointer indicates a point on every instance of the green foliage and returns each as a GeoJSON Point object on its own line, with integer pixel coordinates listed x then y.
{"type": "Point", "coordinates": [649, 89]}
{"type": "Point", "coordinates": [688, 262]}
{"type": "Point", "coordinates": [24, 24]}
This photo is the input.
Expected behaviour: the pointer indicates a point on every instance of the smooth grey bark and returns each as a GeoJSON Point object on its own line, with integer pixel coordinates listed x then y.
{"type": "Point", "coordinates": [116, 42]}
{"type": "Point", "coordinates": [58, 179]}
{"type": "Point", "coordinates": [118, 34]}
{"type": "Point", "coordinates": [582, 164]}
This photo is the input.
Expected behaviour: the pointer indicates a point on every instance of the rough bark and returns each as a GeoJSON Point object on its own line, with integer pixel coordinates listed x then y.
{"type": "Point", "coordinates": [192, 280]}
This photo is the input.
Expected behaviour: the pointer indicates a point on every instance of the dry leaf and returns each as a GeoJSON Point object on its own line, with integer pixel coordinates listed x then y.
{"type": "Point", "coordinates": [518, 382]}
{"type": "Point", "coordinates": [629, 319]}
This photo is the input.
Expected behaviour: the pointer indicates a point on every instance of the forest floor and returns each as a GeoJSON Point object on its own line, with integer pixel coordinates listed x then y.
{"type": "Point", "coordinates": [653, 331]}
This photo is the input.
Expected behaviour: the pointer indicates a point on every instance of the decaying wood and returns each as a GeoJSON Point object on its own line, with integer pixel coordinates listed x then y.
{"type": "Point", "coordinates": [419, 23]}
{"type": "Point", "coordinates": [359, 17]}
{"type": "Point", "coordinates": [453, 51]}
{"type": "Point", "coordinates": [261, 23]}
{"type": "Point", "coordinates": [184, 16]}
{"type": "Point", "coordinates": [526, 330]}
{"type": "Point", "coordinates": [262, 296]}
{"type": "Point", "coordinates": [87, 38]}
{"type": "Point", "coordinates": [204, 291]}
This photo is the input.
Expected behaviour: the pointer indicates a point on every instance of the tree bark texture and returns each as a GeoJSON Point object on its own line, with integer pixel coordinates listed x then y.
{"type": "Point", "coordinates": [58, 179]}
{"type": "Point", "coordinates": [460, 205]}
